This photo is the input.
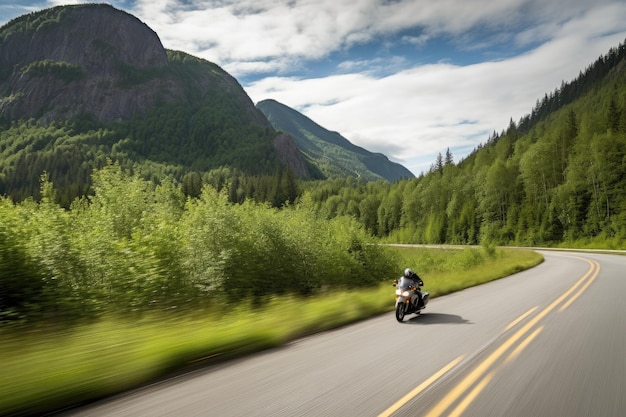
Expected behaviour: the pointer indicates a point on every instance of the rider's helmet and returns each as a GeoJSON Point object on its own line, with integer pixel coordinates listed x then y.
{"type": "Point", "coordinates": [408, 273]}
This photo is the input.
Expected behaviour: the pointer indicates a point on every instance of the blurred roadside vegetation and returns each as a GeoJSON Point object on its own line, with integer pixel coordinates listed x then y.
{"type": "Point", "coordinates": [135, 246]}
{"type": "Point", "coordinates": [138, 280]}
{"type": "Point", "coordinates": [48, 368]}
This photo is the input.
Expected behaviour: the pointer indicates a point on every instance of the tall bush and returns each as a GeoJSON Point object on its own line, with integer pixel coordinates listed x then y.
{"type": "Point", "coordinates": [136, 246]}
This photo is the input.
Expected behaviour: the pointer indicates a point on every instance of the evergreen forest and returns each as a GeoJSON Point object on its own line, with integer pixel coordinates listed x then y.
{"type": "Point", "coordinates": [557, 177]}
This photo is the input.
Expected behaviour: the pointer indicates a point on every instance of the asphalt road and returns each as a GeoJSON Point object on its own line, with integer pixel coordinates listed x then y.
{"type": "Point", "coordinates": [550, 341]}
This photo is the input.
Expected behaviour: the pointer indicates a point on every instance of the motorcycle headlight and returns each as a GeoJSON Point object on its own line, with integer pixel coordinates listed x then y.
{"type": "Point", "coordinates": [406, 294]}
{"type": "Point", "coordinates": [398, 292]}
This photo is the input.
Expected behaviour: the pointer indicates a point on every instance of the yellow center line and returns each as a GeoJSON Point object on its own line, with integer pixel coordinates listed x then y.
{"type": "Point", "coordinates": [420, 388]}
{"type": "Point", "coordinates": [582, 290]}
{"type": "Point", "coordinates": [480, 370]}
{"type": "Point", "coordinates": [460, 409]}
{"type": "Point", "coordinates": [520, 318]}
{"type": "Point", "coordinates": [523, 345]}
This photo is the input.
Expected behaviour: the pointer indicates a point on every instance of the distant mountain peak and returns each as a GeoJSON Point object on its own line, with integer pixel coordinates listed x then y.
{"type": "Point", "coordinates": [333, 154]}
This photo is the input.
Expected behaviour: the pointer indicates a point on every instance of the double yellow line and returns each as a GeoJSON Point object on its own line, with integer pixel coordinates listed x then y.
{"type": "Point", "coordinates": [478, 378]}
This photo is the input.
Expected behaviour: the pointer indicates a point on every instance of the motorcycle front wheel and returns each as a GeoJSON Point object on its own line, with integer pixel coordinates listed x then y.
{"type": "Point", "coordinates": [400, 312]}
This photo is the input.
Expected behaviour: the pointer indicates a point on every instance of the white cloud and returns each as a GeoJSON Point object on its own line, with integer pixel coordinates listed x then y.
{"type": "Point", "coordinates": [424, 110]}
{"type": "Point", "coordinates": [256, 30]}
{"type": "Point", "coordinates": [230, 31]}
{"type": "Point", "coordinates": [408, 113]}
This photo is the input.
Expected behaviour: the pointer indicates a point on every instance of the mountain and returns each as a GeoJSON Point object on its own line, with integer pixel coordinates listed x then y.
{"type": "Point", "coordinates": [83, 84]}
{"type": "Point", "coordinates": [333, 154]}
{"type": "Point", "coordinates": [69, 60]}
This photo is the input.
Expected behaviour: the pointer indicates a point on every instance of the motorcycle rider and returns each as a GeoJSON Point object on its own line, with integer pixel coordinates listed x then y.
{"type": "Point", "coordinates": [410, 275]}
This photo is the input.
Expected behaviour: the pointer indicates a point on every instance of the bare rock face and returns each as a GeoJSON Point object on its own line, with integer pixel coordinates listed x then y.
{"type": "Point", "coordinates": [94, 37]}
{"type": "Point", "coordinates": [69, 60]}
{"type": "Point", "coordinates": [290, 155]}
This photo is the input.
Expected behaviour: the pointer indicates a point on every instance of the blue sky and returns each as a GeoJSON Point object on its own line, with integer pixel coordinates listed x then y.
{"type": "Point", "coordinates": [408, 78]}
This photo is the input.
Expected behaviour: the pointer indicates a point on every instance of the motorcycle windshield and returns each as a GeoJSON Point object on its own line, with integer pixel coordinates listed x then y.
{"type": "Point", "coordinates": [405, 283]}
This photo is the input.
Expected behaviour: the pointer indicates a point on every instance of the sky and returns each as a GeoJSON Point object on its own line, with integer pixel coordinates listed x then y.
{"type": "Point", "coordinates": [406, 78]}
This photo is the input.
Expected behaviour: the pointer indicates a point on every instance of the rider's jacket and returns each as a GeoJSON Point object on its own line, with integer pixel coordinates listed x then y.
{"type": "Point", "coordinates": [404, 282]}
{"type": "Point", "coordinates": [414, 281]}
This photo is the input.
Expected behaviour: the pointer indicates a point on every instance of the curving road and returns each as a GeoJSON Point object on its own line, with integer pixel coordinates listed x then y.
{"type": "Point", "coordinates": [550, 341]}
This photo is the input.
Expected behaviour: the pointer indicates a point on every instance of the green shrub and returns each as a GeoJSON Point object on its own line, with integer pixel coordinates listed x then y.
{"type": "Point", "coordinates": [134, 247]}
{"type": "Point", "coordinates": [58, 69]}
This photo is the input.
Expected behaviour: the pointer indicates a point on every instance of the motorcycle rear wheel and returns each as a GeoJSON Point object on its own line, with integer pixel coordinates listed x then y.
{"type": "Point", "coordinates": [400, 312]}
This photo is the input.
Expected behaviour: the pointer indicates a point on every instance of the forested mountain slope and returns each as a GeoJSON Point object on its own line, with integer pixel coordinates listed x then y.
{"type": "Point", "coordinates": [85, 83]}
{"type": "Point", "coordinates": [333, 154]}
{"type": "Point", "coordinates": [559, 175]}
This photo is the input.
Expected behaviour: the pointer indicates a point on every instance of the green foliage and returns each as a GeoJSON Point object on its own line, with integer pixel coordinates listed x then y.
{"type": "Point", "coordinates": [161, 145]}
{"type": "Point", "coordinates": [427, 261]}
{"type": "Point", "coordinates": [22, 284]}
{"type": "Point", "coordinates": [135, 246]}
{"type": "Point", "coordinates": [61, 70]}
{"type": "Point", "coordinates": [51, 368]}
{"type": "Point", "coordinates": [131, 76]}
{"type": "Point", "coordinates": [66, 151]}
{"type": "Point", "coordinates": [37, 21]}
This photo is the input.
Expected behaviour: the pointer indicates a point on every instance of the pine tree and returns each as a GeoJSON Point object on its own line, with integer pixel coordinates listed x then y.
{"type": "Point", "coordinates": [614, 116]}
{"type": "Point", "coordinates": [291, 187]}
{"type": "Point", "coordinates": [449, 159]}
{"type": "Point", "coordinates": [438, 165]}
{"type": "Point", "coordinates": [192, 184]}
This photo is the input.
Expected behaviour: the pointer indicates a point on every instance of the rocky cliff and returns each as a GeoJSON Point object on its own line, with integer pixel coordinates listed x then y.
{"type": "Point", "coordinates": [69, 60]}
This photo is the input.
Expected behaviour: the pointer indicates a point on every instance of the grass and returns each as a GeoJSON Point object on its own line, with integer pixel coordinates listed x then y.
{"type": "Point", "coordinates": [448, 270]}
{"type": "Point", "coordinates": [45, 370]}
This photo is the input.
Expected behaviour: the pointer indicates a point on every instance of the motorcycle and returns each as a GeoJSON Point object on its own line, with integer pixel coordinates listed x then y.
{"type": "Point", "coordinates": [407, 298]}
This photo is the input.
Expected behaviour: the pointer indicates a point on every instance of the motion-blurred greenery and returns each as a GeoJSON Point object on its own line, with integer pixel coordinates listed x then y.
{"type": "Point", "coordinates": [46, 368]}
{"type": "Point", "coordinates": [135, 246]}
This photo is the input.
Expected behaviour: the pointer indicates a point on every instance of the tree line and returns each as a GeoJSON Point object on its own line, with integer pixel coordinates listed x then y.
{"type": "Point", "coordinates": [559, 180]}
